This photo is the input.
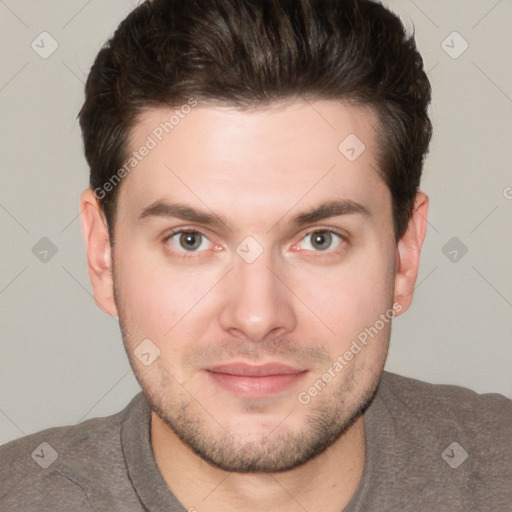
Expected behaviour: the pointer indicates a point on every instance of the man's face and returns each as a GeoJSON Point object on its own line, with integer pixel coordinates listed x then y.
{"type": "Point", "coordinates": [262, 283]}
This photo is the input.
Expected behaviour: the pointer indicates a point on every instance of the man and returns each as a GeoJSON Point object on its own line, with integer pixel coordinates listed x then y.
{"type": "Point", "coordinates": [255, 222]}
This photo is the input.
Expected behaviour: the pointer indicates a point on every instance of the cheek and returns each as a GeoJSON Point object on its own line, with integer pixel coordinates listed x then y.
{"type": "Point", "coordinates": [162, 302]}
{"type": "Point", "coordinates": [150, 297]}
{"type": "Point", "coordinates": [350, 297]}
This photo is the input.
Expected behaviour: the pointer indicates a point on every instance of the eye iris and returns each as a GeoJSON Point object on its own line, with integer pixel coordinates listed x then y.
{"type": "Point", "coordinates": [321, 240]}
{"type": "Point", "coordinates": [190, 241]}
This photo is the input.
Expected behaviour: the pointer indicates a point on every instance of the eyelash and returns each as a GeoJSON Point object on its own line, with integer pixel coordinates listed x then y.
{"type": "Point", "coordinates": [189, 254]}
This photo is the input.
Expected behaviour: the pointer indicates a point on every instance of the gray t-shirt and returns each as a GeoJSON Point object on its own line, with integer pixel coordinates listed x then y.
{"type": "Point", "coordinates": [429, 448]}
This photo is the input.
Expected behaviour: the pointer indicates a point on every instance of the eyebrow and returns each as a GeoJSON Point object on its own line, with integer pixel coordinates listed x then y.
{"type": "Point", "coordinates": [331, 209]}
{"type": "Point", "coordinates": [325, 210]}
{"type": "Point", "coordinates": [183, 212]}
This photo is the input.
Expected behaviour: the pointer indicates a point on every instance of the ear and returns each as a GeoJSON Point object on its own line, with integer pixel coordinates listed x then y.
{"type": "Point", "coordinates": [99, 259]}
{"type": "Point", "coordinates": [408, 254]}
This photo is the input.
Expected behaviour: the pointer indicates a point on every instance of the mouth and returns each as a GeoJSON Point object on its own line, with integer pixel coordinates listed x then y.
{"type": "Point", "coordinates": [255, 381]}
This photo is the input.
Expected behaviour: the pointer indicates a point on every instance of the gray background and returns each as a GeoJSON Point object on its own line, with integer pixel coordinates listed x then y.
{"type": "Point", "coordinates": [62, 359]}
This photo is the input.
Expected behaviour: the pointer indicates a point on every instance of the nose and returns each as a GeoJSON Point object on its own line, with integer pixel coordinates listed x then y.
{"type": "Point", "coordinates": [257, 302]}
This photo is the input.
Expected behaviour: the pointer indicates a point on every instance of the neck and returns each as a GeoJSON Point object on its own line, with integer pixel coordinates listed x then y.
{"type": "Point", "coordinates": [325, 483]}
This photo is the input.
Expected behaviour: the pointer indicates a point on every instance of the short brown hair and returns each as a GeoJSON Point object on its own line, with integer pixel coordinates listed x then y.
{"type": "Point", "coordinates": [247, 53]}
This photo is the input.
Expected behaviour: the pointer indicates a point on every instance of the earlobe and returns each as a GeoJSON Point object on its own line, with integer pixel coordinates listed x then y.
{"type": "Point", "coordinates": [99, 257]}
{"type": "Point", "coordinates": [408, 253]}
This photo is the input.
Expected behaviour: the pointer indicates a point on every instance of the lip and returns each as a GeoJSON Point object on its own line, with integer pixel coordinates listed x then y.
{"type": "Point", "coordinates": [255, 381]}
{"type": "Point", "coordinates": [263, 370]}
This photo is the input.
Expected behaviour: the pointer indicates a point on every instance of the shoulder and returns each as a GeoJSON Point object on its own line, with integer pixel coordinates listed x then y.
{"type": "Point", "coordinates": [455, 442]}
{"type": "Point", "coordinates": [461, 422]}
{"type": "Point", "coordinates": [446, 402]}
{"type": "Point", "coordinates": [36, 467]}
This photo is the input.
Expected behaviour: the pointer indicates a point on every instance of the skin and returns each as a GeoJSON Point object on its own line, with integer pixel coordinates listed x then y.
{"type": "Point", "coordinates": [302, 301]}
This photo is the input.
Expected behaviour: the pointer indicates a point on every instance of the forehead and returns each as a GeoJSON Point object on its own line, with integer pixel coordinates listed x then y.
{"type": "Point", "coordinates": [255, 161]}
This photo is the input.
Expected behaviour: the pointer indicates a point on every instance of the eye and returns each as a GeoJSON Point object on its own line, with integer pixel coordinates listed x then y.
{"type": "Point", "coordinates": [189, 241]}
{"type": "Point", "coordinates": [321, 240]}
